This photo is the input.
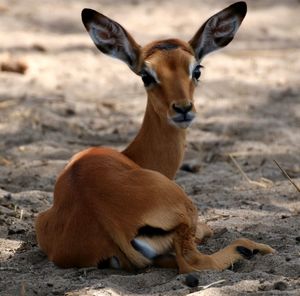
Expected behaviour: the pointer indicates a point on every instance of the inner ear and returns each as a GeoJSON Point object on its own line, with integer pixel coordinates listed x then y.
{"type": "Point", "coordinates": [111, 38]}
{"type": "Point", "coordinates": [219, 30]}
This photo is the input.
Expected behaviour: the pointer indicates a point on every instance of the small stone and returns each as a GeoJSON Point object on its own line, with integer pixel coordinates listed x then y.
{"type": "Point", "coordinates": [11, 231]}
{"type": "Point", "coordinates": [16, 229]}
{"type": "Point", "coordinates": [70, 112]}
{"type": "Point", "coordinates": [176, 287]}
{"type": "Point", "coordinates": [191, 280]}
{"type": "Point", "coordinates": [281, 286]}
{"type": "Point", "coordinates": [272, 271]}
{"type": "Point", "coordinates": [297, 239]}
{"type": "Point", "coordinates": [39, 47]}
{"type": "Point", "coordinates": [191, 168]}
{"type": "Point", "coordinates": [7, 196]}
{"type": "Point", "coordinates": [287, 259]}
{"type": "Point", "coordinates": [284, 216]}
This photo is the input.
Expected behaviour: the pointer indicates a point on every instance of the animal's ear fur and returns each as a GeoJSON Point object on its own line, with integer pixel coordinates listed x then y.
{"type": "Point", "coordinates": [111, 38]}
{"type": "Point", "coordinates": [218, 30]}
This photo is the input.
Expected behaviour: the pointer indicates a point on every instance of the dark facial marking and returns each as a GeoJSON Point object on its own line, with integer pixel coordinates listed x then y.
{"type": "Point", "coordinates": [166, 45]}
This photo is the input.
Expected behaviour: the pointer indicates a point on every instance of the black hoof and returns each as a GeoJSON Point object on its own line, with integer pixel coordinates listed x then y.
{"type": "Point", "coordinates": [246, 253]}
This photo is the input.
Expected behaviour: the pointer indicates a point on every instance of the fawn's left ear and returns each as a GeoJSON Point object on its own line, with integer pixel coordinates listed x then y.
{"type": "Point", "coordinates": [218, 30]}
{"type": "Point", "coordinates": [111, 38]}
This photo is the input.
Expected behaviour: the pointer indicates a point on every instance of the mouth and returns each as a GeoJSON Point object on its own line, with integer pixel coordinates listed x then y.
{"type": "Point", "coordinates": [182, 120]}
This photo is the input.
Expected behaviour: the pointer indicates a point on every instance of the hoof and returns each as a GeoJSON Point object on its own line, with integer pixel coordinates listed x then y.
{"type": "Point", "coordinates": [245, 252]}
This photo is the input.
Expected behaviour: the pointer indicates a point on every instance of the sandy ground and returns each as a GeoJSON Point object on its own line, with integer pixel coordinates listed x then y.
{"type": "Point", "coordinates": [72, 97]}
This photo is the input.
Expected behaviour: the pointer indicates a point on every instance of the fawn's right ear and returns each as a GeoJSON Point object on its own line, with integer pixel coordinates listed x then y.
{"type": "Point", "coordinates": [111, 38]}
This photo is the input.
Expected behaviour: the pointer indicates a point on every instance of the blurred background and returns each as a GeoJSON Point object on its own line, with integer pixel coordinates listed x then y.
{"type": "Point", "coordinates": [59, 95]}
{"type": "Point", "coordinates": [66, 95]}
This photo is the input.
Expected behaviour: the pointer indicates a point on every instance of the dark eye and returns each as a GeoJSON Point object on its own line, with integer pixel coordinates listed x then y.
{"type": "Point", "coordinates": [197, 72]}
{"type": "Point", "coordinates": [147, 78]}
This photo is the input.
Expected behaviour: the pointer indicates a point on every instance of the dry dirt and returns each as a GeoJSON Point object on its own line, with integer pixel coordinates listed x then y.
{"type": "Point", "coordinates": [72, 96]}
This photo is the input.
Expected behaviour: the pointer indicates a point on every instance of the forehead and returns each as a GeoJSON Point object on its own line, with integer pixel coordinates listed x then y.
{"type": "Point", "coordinates": [170, 52]}
{"type": "Point", "coordinates": [166, 45]}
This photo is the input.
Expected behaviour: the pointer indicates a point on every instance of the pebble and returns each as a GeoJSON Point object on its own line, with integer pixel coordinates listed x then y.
{"type": "Point", "coordinates": [7, 196]}
{"type": "Point", "coordinates": [191, 280]}
{"type": "Point", "coordinates": [287, 259]}
{"type": "Point", "coordinates": [281, 286]}
{"type": "Point", "coordinates": [191, 168]}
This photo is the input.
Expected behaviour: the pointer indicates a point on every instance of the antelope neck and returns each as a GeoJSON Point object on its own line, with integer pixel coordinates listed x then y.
{"type": "Point", "coordinates": [158, 146]}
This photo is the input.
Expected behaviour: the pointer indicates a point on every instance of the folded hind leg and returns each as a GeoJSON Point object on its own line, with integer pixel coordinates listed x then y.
{"type": "Point", "coordinates": [190, 259]}
{"type": "Point", "coordinates": [239, 249]}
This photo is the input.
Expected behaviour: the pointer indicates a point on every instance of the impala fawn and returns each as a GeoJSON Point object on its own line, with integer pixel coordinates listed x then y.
{"type": "Point", "coordinates": [121, 209]}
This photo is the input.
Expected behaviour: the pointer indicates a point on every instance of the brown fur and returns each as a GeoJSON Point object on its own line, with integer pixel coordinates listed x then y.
{"type": "Point", "coordinates": [160, 146]}
{"type": "Point", "coordinates": [103, 197]}
{"type": "Point", "coordinates": [95, 217]}
{"type": "Point", "coordinates": [167, 44]}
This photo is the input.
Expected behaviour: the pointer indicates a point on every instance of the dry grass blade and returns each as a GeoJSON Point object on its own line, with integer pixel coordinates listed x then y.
{"type": "Point", "coordinates": [212, 284]}
{"type": "Point", "coordinates": [204, 287]}
{"type": "Point", "coordinates": [261, 184]}
{"type": "Point", "coordinates": [287, 176]}
{"type": "Point", "coordinates": [4, 268]}
{"type": "Point", "coordinates": [4, 161]}
{"type": "Point", "coordinates": [21, 214]}
{"type": "Point", "coordinates": [22, 289]}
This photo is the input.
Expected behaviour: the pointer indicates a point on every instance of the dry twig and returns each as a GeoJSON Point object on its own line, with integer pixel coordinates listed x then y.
{"type": "Point", "coordinates": [212, 284]}
{"type": "Point", "coordinates": [22, 289]}
{"type": "Point", "coordinates": [3, 268]}
{"type": "Point", "coordinates": [261, 184]}
{"type": "Point", "coordinates": [287, 176]}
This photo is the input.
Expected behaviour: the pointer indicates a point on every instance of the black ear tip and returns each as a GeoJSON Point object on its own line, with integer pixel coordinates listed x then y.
{"type": "Point", "coordinates": [87, 14]}
{"type": "Point", "coordinates": [240, 8]}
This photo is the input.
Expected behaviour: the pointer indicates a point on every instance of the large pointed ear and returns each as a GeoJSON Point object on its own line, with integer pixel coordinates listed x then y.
{"type": "Point", "coordinates": [218, 30]}
{"type": "Point", "coordinates": [111, 38]}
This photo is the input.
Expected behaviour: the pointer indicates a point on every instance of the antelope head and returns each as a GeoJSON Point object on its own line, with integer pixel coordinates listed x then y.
{"type": "Point", "coordinates": [171, 68]}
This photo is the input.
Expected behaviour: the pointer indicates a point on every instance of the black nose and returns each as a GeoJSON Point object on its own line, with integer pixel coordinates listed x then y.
{"type": "Point", "coordinates": [182, 109]}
